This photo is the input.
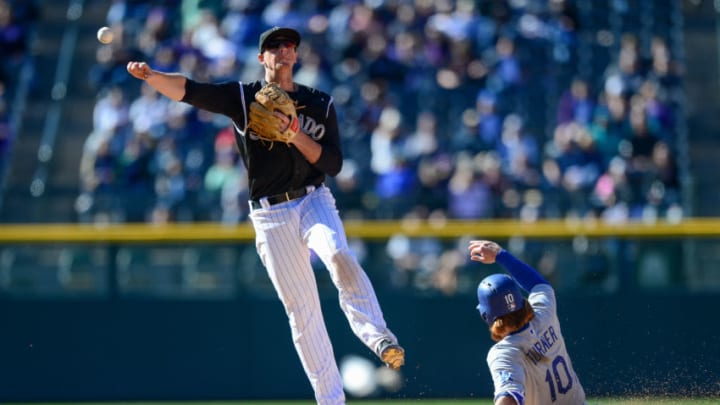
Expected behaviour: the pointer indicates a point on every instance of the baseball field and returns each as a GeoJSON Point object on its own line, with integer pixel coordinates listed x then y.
{"type": "Point", "coordinates": [602, 401]}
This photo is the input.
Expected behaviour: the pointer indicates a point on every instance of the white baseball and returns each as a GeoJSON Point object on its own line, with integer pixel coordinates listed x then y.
{"type": "Point", "coordinates": [105, 35]}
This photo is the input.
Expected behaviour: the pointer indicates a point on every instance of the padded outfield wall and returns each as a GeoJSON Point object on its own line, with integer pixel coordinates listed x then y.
{"type": "Point", "coordinates": [628, 334]}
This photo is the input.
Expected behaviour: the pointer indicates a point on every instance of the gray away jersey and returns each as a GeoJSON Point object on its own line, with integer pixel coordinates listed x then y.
{"type": "Point", "coordinates": [533, 365]}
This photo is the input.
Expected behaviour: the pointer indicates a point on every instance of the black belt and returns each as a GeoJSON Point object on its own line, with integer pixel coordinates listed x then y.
{"type": "Point", "coordinates": [283, 197]}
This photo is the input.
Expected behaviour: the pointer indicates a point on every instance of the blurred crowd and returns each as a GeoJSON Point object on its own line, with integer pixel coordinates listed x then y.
{"type": "Point", "coordinates": [448, 109]}
{"type": "Point", "coordinates": [17, 18]}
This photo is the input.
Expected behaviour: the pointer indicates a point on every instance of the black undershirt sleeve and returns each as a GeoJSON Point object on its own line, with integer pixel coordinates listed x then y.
{"type": "Point", "coordinates": [330, 161]}
{"type": "Point", "coordinates": [221, 98]}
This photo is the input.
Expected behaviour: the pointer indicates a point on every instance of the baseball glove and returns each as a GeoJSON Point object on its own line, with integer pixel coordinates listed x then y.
{"type": "Point", "coordinates": [262, 120]}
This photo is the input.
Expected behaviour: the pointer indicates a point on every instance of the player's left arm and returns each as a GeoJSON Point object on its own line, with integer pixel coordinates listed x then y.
{"type": "Point", "coordinates": [507, 374]}
{"type": "Point", "coordinates": [307, 146]}
{"type": "Point", "coordinates": [325, 154]}
{"type": "Point", "coordinates": [522, 272]}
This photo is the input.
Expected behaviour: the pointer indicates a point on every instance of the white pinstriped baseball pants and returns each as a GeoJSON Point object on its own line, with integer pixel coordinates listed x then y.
{"type": "Point", "coordinates": [284, 234]}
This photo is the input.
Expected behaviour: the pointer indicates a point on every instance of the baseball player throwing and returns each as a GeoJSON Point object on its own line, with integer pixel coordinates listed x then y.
{"type": "Point", "coordinates": [529, 362]}
{"type": "Point", "coordinates": [289, 140]}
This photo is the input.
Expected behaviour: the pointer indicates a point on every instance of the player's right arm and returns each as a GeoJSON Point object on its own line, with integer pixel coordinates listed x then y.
{"type": "Point", "coordinates": [221, 98]}
{"type": "Point", "coordinates": [171, 85]}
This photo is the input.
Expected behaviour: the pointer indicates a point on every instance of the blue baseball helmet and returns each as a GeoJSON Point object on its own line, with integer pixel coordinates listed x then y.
{"type": "Point", "coordinates": [498, 295]}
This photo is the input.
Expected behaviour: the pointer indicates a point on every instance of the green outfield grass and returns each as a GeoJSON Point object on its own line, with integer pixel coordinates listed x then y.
{"type": "Point", "coordinates": [601, 401]}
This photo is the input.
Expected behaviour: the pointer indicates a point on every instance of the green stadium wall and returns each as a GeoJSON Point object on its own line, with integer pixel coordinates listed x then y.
{"type": "Point", "coordinates": [170, 350]}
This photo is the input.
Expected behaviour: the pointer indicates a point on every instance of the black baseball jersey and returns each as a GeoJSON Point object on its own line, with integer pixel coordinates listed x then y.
{"type": "Point", "coordinates": [275, 169]}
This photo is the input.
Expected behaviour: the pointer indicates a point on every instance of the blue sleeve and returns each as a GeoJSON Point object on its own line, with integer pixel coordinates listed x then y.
{"type": "Point", "coordinates": [525, 275]}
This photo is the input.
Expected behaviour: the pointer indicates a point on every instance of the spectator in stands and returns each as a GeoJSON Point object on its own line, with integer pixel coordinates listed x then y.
{"type": "Point", "coordinates": [135, 177]}
{"type": "Point", "coordinates": [579, 163]}
{"type": "Point", "coordinates": [225, 182]}
{"type": "Point", "coordinates": [350, 191]}
{"type": "Point", "coordinates": [576, 104]}
{"type": "Point", "coordinates": [110, 119]}
{"type": "Point", "coordinates": [433, 175]}
{"type": "Point", "coordinates": [659, 113]}
{"type": "Point", "coordinates": [609, 127]}
{"type": "Point", "coordinates": [169, 181]}
{"type": "Point", "coordinates": [385, 141]}
{"type": "Point", "coordinates": [423, 141]}
{"type": "Point", "coordinates": [6, 134]}
{"type": "Point", "coordinates": [506, 72]}
{"type": "Point", "coordinates": [148, 113]}
{"type": "Point", "coordinates": [99, 176]}
{"type": "Point", "coordinates": [662, 184]}
{"type": "Point", "coordinates": [665, 70]}
{"type": "Point", "coordinates": [489, 120]}
{"type": "Point", "coordinates": [13, 39]}
{"type": "Point", "coordinates": [396, 188]}
{"type": "Point", "coordinates": [642, 140]}
{"type": "Point", "coordinates": [612, 194]}
{"type": "Point", "coordinates": [626, 77]}
{"type": "Point", "coordinates": [17, 19]}
{"type": "Point", "coordinates": [469, 196]}
{"type": "Point", "coordinates": [556, 198]}
{"type": "Point", "coordinates": [516, 144]}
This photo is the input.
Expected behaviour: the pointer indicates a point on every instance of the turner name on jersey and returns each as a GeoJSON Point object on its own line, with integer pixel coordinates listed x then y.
{"type": "Point", "coordinates": [545, 342]}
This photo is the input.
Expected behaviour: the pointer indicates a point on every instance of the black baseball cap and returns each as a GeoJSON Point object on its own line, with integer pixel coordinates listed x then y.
{"type": "Point", "coordinates": [278, 33]}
